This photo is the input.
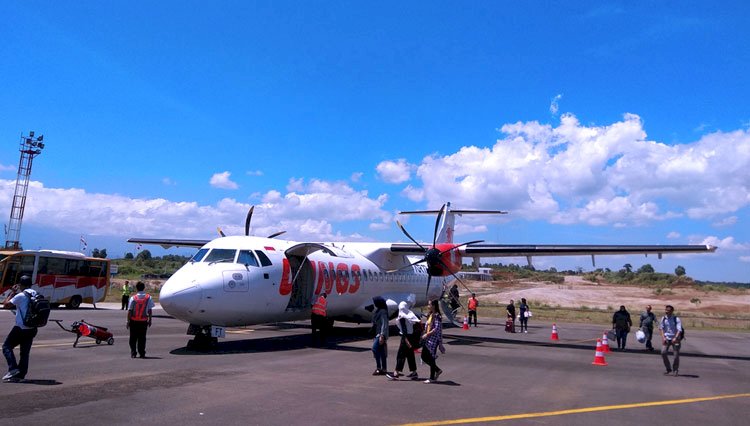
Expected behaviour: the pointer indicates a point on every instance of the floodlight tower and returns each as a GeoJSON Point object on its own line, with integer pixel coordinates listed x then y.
{"type": "Point", "coordinates": [30, 148]}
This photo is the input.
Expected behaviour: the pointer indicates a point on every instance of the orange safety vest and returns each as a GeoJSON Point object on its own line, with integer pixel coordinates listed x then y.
{"type": "Point", "coordinates": [140, 308]}
{"type": "Point", "coordinates": [319, 308]}
{"type": "Point", "coordinates": [472, 304]}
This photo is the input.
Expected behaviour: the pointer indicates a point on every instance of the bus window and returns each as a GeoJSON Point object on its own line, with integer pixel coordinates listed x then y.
{"type": "Point", "coordinates": [27, 264]}
{"type": "Point", "coordinates": [73, 267]}
{"type": "Point", "coordinates": [220, 256]}
{"type": "Point", "coordinates": [247, 257]}
{"type": "Point", "coordinates": [54, 265]}
{"type": "Point", "coordinates": [199, 256]}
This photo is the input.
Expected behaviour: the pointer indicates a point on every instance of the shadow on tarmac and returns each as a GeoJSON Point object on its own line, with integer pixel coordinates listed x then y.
{"type": "Point", "coordinates": [337, 338]}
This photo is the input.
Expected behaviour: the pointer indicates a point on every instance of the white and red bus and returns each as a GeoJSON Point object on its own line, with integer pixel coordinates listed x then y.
{"type": "Point", "coordinates": [63, 277]}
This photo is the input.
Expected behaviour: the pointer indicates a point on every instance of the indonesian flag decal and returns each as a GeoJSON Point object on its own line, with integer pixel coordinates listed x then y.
{"type": "Point", "coordinates": [84, 245]}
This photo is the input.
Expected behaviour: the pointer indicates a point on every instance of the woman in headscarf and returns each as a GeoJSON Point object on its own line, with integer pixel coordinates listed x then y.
{"type": "Point", "coordinates": [432, 339]}
{"type": "Point", "coordinates": [379, 345]}
{"type": "Point", "coordinates": [406, 321]}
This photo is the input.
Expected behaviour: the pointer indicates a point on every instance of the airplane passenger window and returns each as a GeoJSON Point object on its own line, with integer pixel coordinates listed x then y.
{"type": "Point", "coordinates": [220, 256]}
{"type": "Point", "coordinates": [247, 257]}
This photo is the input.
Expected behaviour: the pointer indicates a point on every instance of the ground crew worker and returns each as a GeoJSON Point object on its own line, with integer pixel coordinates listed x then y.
{"type": "Point", "coordinates": [140, 309]}
{"type": "Point", "coordinates": [319, 320]}
{"type": "Point", "coordinates": [473, 303]}
{"type": "Point", "coordinates": [125, 295]}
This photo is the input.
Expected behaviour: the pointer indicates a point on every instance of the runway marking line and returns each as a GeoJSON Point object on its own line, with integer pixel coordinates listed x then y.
{"type": "Point", "coordinates": [578, 410]}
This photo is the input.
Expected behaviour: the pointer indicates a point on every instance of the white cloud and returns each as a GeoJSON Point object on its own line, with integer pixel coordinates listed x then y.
{"type": "Point", "coordinates": [727, 221]}
{"type": "Point", "coordinates": [727, 243]}
{"type": "Point", "coordinates": [554, 106]}
{"type": "Point", "coordinates": [4, 168]}
{"type": "Point", "coordinates": [221, 180]}
{"type": "Point", "coordinates": [745, 259]}
{"type": "Point", "coordinates": [398, 171]}
{"type": "Point", "coordinates": [168, 182]}
{"type": "Point", "coordinates": [673, 235]}
{"type": "Point", "coordinates": [356, 176]}
{"type": "Point", "coordinates": [254, 173]}
{"type": "Point", "coordinates": [598, 175]}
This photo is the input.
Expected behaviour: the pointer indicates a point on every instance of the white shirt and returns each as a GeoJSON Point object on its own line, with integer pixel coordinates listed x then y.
{"type": "Point", "coordinates": [21, 302]}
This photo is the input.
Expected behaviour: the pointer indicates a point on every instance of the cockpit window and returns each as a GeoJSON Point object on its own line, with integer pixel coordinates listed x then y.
{"type": "Point", "coordinates": [247, 257]}
{"type": "Point", "coordinates": [264, 260]}
{"type": "Point", "coordinates": [198, 256]}
{"type": "Point", "coordinates": [220, 256]}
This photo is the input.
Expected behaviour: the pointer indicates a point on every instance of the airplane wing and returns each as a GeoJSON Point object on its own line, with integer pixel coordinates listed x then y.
{"type": "Point", "coordinates": [167, 243]}
{"type": "Point", "coordinates": [524, 250]}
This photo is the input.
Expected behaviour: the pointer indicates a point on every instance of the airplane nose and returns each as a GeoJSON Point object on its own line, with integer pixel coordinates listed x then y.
{"type": "Point", "coordinates": [180, 300]}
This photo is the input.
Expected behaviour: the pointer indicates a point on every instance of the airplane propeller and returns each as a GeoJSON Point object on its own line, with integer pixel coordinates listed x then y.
{"type": "Point", "coordinates": [433, 255]}
{"type": "Point", "coordinates": [248, 218]}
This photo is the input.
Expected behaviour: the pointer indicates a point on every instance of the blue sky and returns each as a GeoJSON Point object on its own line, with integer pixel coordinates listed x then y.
{"type": "Point", "coordinates": [590, 122]}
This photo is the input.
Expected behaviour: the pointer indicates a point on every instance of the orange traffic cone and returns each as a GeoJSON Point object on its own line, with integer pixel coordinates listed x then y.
{"type": "Point", "coordinates": [599, 357]}
{"type": "Point", "coordinates": [466, 323]}
{"type": "Point", "coordinates": [605, 344]}
{"type": "Point", "coordinates": [554, 333]}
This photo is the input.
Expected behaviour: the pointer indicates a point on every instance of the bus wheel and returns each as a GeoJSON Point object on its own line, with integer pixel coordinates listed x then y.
{"type": "Point", "coordinates": [75, 302]}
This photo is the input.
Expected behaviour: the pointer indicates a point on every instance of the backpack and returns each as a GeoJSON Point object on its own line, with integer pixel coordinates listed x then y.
{"type": "Point", "coordinates": [37, 312]}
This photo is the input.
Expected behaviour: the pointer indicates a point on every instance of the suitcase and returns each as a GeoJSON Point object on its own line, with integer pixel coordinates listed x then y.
{"type": "Point", "coordinates": [510, 326]}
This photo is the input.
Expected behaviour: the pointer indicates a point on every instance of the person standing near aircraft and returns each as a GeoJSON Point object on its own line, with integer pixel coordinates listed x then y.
{"type": "Point", "coordinates": [380, 343]}
{"type": "Point", "coordinates": [621, 323]}
{"type": "Point", "coordinates": [473, 303]}
{"type": "Point", "coordinates": [125, 295]}
{"type": "Point", "coordinates": [454, 295]}
{"type": "Point", "coordinates": [140, 310]}
{"type": "Point", "coordinates": [523, 315]}
{"type": "Point", "coordinates": [433, 340]}
{"type": "Point", "coordinates": [647, 325]}
{"type": "Point", "coordinates": [20, 334]}
{"type": "Point", "coordinates": [319, 320]}
{"type": "Point", "coordinates": [671, 335]}
{"type": "Point", "coordinates": [510, 321]}
{"type": "Point", "coordinates": [406, 321]}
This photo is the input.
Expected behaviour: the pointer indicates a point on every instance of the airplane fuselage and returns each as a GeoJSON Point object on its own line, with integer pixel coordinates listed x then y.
{"type": "Point", "coordinates": [234, 281]}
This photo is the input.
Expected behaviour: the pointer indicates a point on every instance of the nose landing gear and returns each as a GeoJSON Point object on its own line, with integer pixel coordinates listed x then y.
{"type": "Point", "coordinates": [203, 341]}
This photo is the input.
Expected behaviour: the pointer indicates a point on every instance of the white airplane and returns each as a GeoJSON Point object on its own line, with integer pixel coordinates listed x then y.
{"type": "Point", "coordinates": [248, 280]}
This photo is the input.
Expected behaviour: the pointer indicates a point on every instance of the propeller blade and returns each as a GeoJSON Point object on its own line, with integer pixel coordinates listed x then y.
{"type": "Point", "coordinates": [407, 266]}
{"type": "Point", "coordinates": [247, 220]}
{"type": "Point", "coordinates": [410, 237]}
{"type": "Point", "coordinates": [437, 225]}
{"type": "Point", "coordinates": [454, 275]}
{"type": "Point", "coordinates": [276, 234]}
{"type": "Point", "coordinates": [429, 278]}
{"type": "Point", "coordinates": [221, 233]}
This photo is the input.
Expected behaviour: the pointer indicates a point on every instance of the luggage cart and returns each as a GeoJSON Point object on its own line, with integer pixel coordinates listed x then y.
{"type": "Point", "coordinates": [82, 328]}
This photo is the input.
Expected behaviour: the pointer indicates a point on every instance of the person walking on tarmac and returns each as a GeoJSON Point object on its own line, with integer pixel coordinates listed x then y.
{"type": "Point", "coordinates": [406, 321]}
{"type": "Point", "coordinates": [125, 295]}
{"type": "Point", "coordinates": [319, 320]}
{"type": "Point", "coordinates": [473, 303]}
{"type": "Point", "coordinates": [621, 322]}
{"type": "Point", "coordinates": [20, 334]}
{"type": "Point", "coordinates": [432, 340]}
{"type": "Point", "coordinates": [647, 325]}
{"type": "Point", "coordinates": [380, 344]}
{"type": "Point", "coordinates": [140, 309]}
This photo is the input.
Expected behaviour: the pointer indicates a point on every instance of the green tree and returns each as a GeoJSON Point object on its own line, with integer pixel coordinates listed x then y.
{"type": "Point", "coordinates": [143, 255]}
{"type": "Point", "coordinates": [129, 255]}
{"type": "Point", "coordinates": [679, 271]}
{"type": "Point", "coordinates": [646, 269]}
{"type": "Point", "coordinates": [628, 268]}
